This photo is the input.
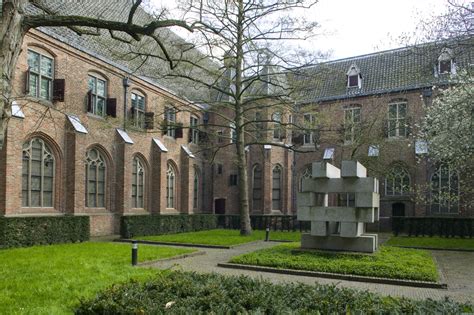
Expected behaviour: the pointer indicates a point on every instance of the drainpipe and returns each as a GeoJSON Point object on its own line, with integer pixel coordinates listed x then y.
{"type": "Point", "coordinates": [126, 84]}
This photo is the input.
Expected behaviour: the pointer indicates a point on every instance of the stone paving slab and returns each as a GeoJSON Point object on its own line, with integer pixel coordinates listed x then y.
{"type": "Point", "coordinates": [457, 268]}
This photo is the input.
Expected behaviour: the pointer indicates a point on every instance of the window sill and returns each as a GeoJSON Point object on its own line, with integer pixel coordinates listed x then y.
{"type": "Point", "coordinates": [41, 101]}
{"type": "Point", "coordinates": [94, 116]}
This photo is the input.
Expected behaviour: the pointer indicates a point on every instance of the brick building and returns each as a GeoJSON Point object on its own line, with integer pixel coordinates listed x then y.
{"type": "Point", "coordinates": [90, 136]}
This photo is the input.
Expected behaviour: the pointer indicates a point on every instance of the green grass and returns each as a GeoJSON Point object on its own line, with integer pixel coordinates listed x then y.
{"type": "Point", "coordinates": [53, 279]}
{"type": "Point", "coordinates": [432, 242]}
{"type": "Point", "coordinates": [387, 262]}
{"type": "Point", "coordinates": [221, 237]}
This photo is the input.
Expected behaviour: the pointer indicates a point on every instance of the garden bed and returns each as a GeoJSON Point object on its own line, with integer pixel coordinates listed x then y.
{"type": "Point", "coordinates": [387, 262]}
{"type": "Point", "coordinates": [191, 293]}
{"type": "Point", "coordinates": [220, 238]}
{"type": "Point", "coordinates": [443, 243]}
{"type": "Point", "coordinates": [53, 279]}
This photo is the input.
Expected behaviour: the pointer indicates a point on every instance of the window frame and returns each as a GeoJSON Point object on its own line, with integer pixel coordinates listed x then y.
{"type": "Point", "coordinates": [278, 189]}
{"type": "Point", "coordinates": [138, 165]}
{"type": "Point", "coordinates": [257, 189]}
{"type": "Point", "coordinates": [399, 180]}
{"type": "Point", "coordinates": [94, 97]}
{"type": "Point", "coordinates": [171, 177]}
{"type": "Point", "coordinates": [100, 159]}
{"type": "Point", "coordinates": [277, 119]}
{"type": "Point", "coordinates": [308, 136]}
{"type": "Point", "coordinates": [171, 119]}
{"type": "Point", "coordinates": [451, 173]}
{"type": "Point", "coordinates": [233, 132]}
{"type": "Point", "coordinates": [193, 123]}
{"type": "Point", "coordinates": [40, 76]}
{"type": "Point", "coordinates": [196, 179]}
{"type": "Point", "coordinates": [138, 113]}
{"type": "Point", "coordinates": [398, 126]}
{"type": "Point", "coordinates": [46, 152]}
{"type": "Point", "coordinates": [352, 128]}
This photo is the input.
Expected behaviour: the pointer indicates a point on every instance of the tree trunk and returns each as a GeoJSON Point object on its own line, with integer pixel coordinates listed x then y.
{"type": "Point", "coordinates": [245, 227]}
{"type": "Point", "coordinates": [11, 39]}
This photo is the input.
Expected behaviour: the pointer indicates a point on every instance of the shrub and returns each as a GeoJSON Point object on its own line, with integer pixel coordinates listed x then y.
{"type": "Point", "coordinates": [430, 226]}
{"type": "Point", "coordinates": [29, 231]}
{"type": "Point", "coordinates": [131, 226]}
{"type": "Point", "coordinates": [191, 293]}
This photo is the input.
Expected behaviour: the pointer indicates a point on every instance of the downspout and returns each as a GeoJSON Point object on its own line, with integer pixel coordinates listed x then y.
{"type": "Point", "coordinates": [126, 84]}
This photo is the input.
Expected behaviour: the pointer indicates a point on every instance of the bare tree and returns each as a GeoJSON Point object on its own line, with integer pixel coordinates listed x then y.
{"type": "Point", "coordinates": [20, 16]}
{"type": "Point", "coordinates": [253, 87]}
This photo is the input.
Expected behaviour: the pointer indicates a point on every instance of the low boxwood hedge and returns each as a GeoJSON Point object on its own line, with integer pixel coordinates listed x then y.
{"type": "Point", "coordinates": [139, 225]}
{"type": "Point", "coordinates": [29, 231]}
{"type": "Point", "coordinates": [191, 293]}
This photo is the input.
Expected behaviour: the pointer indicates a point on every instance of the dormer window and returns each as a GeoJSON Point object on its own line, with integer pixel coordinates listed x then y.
{"type": "Point", "coordinates": [446, 62]}
{"type": "Point", "coordinates": [354, 78]}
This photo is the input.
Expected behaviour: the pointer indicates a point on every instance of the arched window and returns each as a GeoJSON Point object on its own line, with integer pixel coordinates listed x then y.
{"type": "Point", "coordinates": [397, 182]}
{"type": "Point", "coordinates": [445, 190]}
{"type": "Point", "coordinates": [170, 186]}
{"type": "Point", "coordinates": [276, 188]}
{"type": "Point", "coordinates": [305, 175]}
{"type": "Point", "coordinates": [40, 74]}
{"type": "Point", "coordinates": [95, 179]}
{"type": "Point", "coordinates": [37, 174]}
{"type": "Point", "coordinates": [196, 188]}
{"type": "Point", "coordinates": [138, 183]}
{"type": "Point", "coordinates": [257, 188]}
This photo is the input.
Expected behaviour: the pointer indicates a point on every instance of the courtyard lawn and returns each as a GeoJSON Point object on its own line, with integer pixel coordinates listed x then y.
{"type": "Point", "coordinates": [54, 279]}
{"type": "Point", "coordinates": [432, 242]}
{"type": "Point", "coordinates": [221, 237]}
{"type": "Point", "coordinates": [387, 262]}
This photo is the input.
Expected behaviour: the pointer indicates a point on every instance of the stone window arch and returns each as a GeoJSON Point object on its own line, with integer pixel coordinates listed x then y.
{"type": "Point", "coordinates": [138, 182]}
{"type": "Point", "coordinates": [276, 187]}
{"type": "Point", "coordinates": [445, 190]}
{"type": "Point", "coordinates": [171, 177]}
{"type": "Point", "coordinates": [96, 178]}
{"type": "Point", "coordinates": [304, 175]}
{"type": "Point", "coordinates": [397, 181]}
{"type": "Point", "coordinates": [257, 188]}
{"type": "Point", "coordinates": [38, 174]}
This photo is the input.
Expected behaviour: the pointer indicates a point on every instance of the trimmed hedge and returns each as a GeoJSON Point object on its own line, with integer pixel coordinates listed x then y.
{"type": "Point", "coordinates": [144, 225]}
{"type": "Point", "coordinates": [192, 293]}
{"type": "Point", "coordinates": [29, 231]}
{"type": "Point", "coordinates": [431, 226]}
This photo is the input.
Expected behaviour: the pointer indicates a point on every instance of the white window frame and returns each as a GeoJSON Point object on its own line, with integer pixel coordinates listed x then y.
{"type": "Point", "coordinates": [138, 111]}
{"type": "Point", "coordinates": [193, 124]}
{"type": "Point", "coordinates": [170, 186]}
{"type": "Point", "coordinates": [437, 191]}
{"type": "Point", "coordinates": [95, 97]}
{"type": "Point", "coordinates": [351, 126]}
{"type": "Point", "coordinates": [96, 163]}
{"type": "Point", "coordinates": [308, 137]}
{"type": "Point", "coordinates": [398, 123]}
{"type": "Point", "coordinates": [170, 118]}
{"type": "Point", "coordinates": [277, 126]}
{"type": "Point", "coordinates": [399, 180]}
{"type": "Point", "coordinates": [233, 133]}
{"type": "Point", "coordinates": [40, 76]}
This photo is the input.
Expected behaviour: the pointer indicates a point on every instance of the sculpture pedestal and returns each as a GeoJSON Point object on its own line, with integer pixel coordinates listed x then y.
{"type": "Point", "coordinates": [366, 243]}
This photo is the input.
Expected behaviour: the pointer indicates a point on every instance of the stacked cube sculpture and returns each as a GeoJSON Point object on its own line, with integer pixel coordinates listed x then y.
{"type": "Point", "coordinates": [339, 228]}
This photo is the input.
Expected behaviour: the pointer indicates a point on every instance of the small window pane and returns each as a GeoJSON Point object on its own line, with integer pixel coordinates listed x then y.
{"type": "Point", "coordinates": [100, 88]}
{"type": "Point", "coordinates": [34, 61]}
{"type": "Point", "coordinates": [46, 66]}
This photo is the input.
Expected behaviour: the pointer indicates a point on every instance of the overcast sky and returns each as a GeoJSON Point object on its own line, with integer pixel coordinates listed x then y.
{"type": "Point", "coordinates": [355, 27]}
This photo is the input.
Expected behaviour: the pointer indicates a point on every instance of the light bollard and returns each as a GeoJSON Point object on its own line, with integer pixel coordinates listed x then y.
{"type": "Point", "coordinates": [267, 234]}
{"type": "Point", "coordinates": [134, 253]}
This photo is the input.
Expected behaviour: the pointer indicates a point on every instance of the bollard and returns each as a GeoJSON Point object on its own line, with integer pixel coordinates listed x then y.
{"type": "Point", "coordinates": [267, 234]}
{"type": "Point", "coordinates": [134, 253]}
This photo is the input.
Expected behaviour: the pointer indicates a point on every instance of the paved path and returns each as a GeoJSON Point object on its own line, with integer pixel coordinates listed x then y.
{"type": "Point", "coordinates": [457, 267]}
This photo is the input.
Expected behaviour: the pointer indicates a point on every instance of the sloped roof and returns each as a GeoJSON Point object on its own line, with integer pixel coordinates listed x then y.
{"type": "Point", "coordinates": [382, 72]}
{"type": "Point", "coordinates": [117, 53]}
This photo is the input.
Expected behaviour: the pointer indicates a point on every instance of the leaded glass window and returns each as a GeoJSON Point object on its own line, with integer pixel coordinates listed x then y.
{"type": "Point", "coordinates": [138, 183]}
{"type": "Point", "coordinates": [445, 190]}
{"type": "Point", "coordinates": [37, 174]}
{"type": "Point", "coordinates": [40, 68]}
{"type": "Point", "coordinates": [397, 182]}
{"type": "Point", "coordinates": [257, 188]}
{"type": "Point", "coordinates": [195, 188]}
{"type": "Point", "coordinates": [276, 188]}
{"type": "Point", "coordinates": [95, 179]}
{"type": "Point", "coordinates": [351, 124]}
{"type": "Point", "coordinates": [170, 186]}
{"type": "Point", "coordinates": [305, 175]}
